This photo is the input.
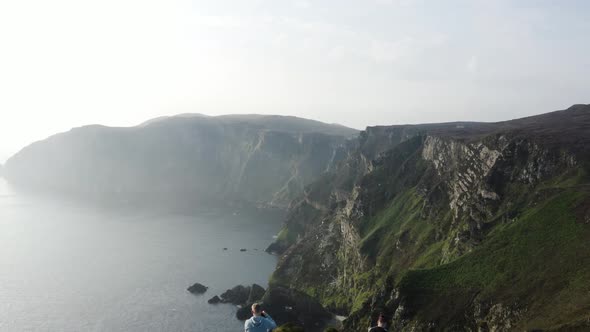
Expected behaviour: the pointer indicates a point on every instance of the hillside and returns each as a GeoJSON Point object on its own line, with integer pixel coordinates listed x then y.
{"type": "Point", "coordinates": [184, 160]}
{"type": "Point", "coordinates": [455, 227]}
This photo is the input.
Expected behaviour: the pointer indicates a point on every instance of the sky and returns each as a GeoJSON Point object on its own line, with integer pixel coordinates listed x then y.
{"type": "Point", "coordinates": [67, 63]}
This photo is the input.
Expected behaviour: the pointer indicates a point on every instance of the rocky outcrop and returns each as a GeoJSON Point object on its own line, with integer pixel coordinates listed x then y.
{"type": "Point", "coordinates": [256, 293]}
{"type": "Point", "coordinates": [240, 295]}
{"type": "Point", "coordinates": [291, 306]}
{"type": "Point", "coordinates": [197, 288]}
{"type": "Point", "coordinates": [447, 227]}
{"type": "Point", "coordinates": [214, 300]}
{"type": "Point", "coordinates": [285, 305]}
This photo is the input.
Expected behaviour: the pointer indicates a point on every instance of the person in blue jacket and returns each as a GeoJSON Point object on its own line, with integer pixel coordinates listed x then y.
{"type": "Point", "coordinates": [260, 321]}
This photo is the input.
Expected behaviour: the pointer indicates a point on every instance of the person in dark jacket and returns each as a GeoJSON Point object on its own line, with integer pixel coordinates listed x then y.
{"type": "Point", "coordinates": [260, 321]}
{"type": "Point", "coordinates": [381, 324]}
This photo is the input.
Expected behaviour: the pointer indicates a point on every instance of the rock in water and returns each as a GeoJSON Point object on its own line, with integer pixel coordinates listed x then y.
{"type": "Point", "coordinates": [237, 295]}
{"type": "Point", "coordinates": [197, 288]}
{"type": "Point", "coordinates": [256, 293]}
{"type": "Point", "coordinates": [214, 300]}
{"type": "Point", "coordinates": [243, 296]}
{"type": "Point", "coordinates": [242, 250]}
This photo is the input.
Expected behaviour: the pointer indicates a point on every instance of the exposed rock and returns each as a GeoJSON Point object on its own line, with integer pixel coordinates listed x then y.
{"type": "Point", "coordinates": [197, 288]}
{"type": "Point", "coordinates": [496, 317]}
{"type": "Point", "coordinates": [243, 294]}
{"type": "Point", "coordinates": [242, 250]}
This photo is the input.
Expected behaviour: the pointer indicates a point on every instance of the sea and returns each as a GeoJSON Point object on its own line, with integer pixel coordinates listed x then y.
{"type": "Point", "coordinates": [67, 266]}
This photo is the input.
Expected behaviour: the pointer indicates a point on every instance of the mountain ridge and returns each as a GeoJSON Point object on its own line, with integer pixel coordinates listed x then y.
{"type": "Point", "coordinates": [252, 160]}
{"type": "Point", "coordinates": [268, 121]}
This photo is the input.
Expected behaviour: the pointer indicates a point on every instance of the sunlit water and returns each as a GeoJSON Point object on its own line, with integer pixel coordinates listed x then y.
{"type": "Point", "coordinates": [65, 267]}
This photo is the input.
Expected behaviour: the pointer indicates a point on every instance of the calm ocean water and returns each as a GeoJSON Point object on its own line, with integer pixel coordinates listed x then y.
{"type": "Point", "coordinates": [66, 267]}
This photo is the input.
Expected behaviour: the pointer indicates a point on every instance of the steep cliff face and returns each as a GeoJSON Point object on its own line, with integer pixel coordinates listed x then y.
{"type": "Point", "coordinates": [460, 226]}
{"type": "Point", "coordinates": [189, 159]}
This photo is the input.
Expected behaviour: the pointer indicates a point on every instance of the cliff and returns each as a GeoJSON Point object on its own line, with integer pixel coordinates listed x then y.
{"type": "Point", "coordinates": [457, 227]}
{"type": "Point", "coordinates": [184, 160]}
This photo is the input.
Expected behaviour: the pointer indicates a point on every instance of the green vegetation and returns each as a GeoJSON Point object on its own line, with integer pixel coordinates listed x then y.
{"type": "Point", "coordinates": [286, 236]}
{"type": "Point", "coordinates": [542, 260]}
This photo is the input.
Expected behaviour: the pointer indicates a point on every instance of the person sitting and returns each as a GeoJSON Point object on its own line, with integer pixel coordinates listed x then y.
{"type": "Point", "coordinates": [260, 321]}
{"type": "Point", "coordinates": [381, 324]}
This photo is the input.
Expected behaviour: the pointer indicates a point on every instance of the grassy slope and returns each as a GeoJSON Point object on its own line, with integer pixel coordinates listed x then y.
{"type": "Point", "coordinates": [542, 260]}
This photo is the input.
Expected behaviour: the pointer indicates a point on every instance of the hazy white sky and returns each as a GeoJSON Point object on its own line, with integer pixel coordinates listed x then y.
{"type": "Point", "coordinates": [66, 63]}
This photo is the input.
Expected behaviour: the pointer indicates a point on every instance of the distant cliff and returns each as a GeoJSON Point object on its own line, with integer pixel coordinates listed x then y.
{"type": "Point", "coordinates": [189, 159]}
{"type": "Point", "coordinates": [456, 227]}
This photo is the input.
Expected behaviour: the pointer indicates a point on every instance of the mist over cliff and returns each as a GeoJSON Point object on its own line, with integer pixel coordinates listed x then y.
{"type": "Point", "coordinates": [187, 159]}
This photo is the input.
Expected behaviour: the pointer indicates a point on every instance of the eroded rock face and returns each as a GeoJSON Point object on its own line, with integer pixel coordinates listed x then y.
{"type": "Point", "coordinates": [464, 168]}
